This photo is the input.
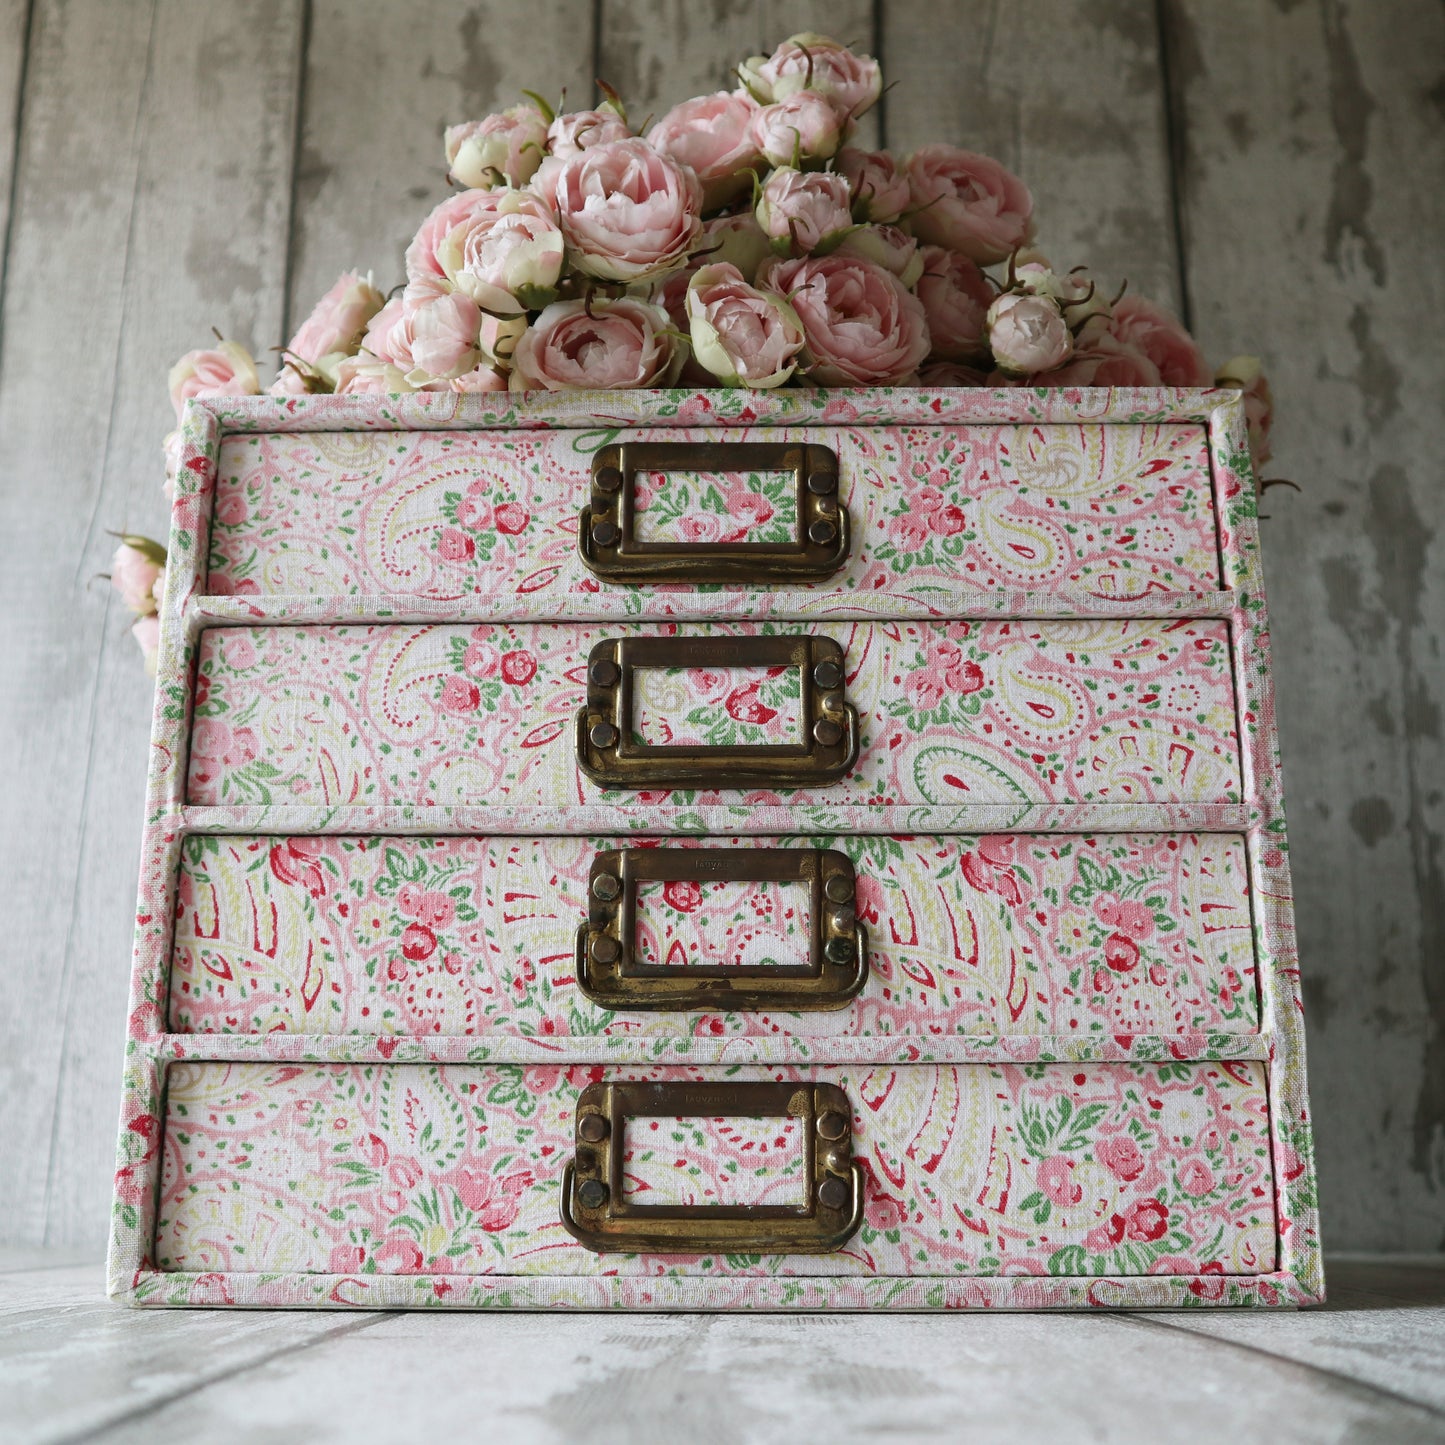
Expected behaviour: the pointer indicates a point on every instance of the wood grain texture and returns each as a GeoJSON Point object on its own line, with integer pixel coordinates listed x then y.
{"type": "Point", "coordinates": [658, 52]}
{"type": "Point", "coordinates": [1071, 96]}
{"type": "Point", "coordinates": [14, 30]}
{"type": "Point", "coordinates": [204, 243]}
{"type": "Point", "coordinates": [382, 83]}
{"type": "Point", "coordinates": [1306, 131]}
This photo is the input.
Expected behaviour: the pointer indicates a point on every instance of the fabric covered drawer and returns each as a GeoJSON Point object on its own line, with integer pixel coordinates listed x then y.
{"type": "Point", "coordinates": [1120, 510]}
{"type": "Point", "coordinates": [946, 712]}
{"type": "Point", "coordinates": [1006, 934]}
{"type": "Point", "coordinates": [371, 1170]}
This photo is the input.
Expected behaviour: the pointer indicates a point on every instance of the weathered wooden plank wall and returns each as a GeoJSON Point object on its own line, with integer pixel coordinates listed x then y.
{"type": "Point", "coordinates": [1272, 170]}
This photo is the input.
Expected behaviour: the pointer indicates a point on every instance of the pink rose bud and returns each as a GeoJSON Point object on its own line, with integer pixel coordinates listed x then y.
{"type": "Point", "coordinates": [387, 336]}
{"type": "Point", "coordinates": [1152, 330]}
{"type": "Point", "coordinates": [890, 247]}
{"type": "Point", "coordinates": [1246, 374]}
{"type": "Point", "coordinates": [862, 326]}
{"type": "Point", "coordinates": [514, 246]}
{"type": "Point", "coordinates": [1106, 361]}
{"type": "Point", "coordinates": [803, 127]}
{"type": "Point", "coordinates": [879, 189]}
{"type": "Point", "coordinates": [367, 375]}
{"type": "Point", "coordinates": [134, 570]}
{"type": "Point", "coordinates": [225, 370]}
{"type": "Point", "coordinates": [338, 320]}
{"type": "Point", "coordinates": [956, 296]}
{"type": "Point", "coordinates": [742, 335]}
{"type": "Point", "coordinates": [627, 213]}
{"type": "Point", "coordinates": [713, 135]}
{"type": "Point", "coordinates": [444, 334]}
{"type": "Point", "coordinates": [852, 83]}
{"type": "Point", "coordinates": [147, 634]}
{"type": "Point", "coordinates": [458, 210]}
{"type": "Point", "coordinates": [579, 129]}
{"type": "Point", "coordinates": [484, 378]}
{"type": "Point", "coordinates": [968, 203]}
{"type": "Point", "coordinates": [735, 241]}
{"type": "Point", "coordinates": [622, 343]}
{"type": "Point", "coordinates": [1028, 334]}
{"type": "Point", "coordinates": [503, 149]}
{"type": "Point", "coordinates": [803, 210]}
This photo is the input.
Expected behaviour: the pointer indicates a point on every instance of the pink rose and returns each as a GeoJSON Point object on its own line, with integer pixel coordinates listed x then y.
{"type": "Point", "coordinates": [338, 320]}
{"type": "Point", "coordinates": [443, 330]}
{"type": "Point", "coordinates": [713, 135]}
{"type": "Point", "coordinates": [418, 943]}
{"type": "Point", "coordinates": [1246, 374]}
{"type": "Point", "coordinates": [879, 189]}
{"type": "Point", "coordinates": [422, 263]}
{"type": "Point", "coordinates": [1152, 330]}
{"type": "Point", "coordinates": [511, 518]}
{"type": "Point", "coordinates": [743, 336]}
{"type": "Point", "coordinates": [1056, 1182]}
{"type": "Point", "coordinates": [387, 337]}
{"type": "Point", "coordinates": [1106, 361]}
{"type": "Point", "coordinates": [510, 248]}
{"type": "Point", "coordinates": [925, 689]}
{"type": "Point", "coordinates": [1027, 334]}
{"type": "Point", "coordinates": [851, 83]}
{"type": "Point", "coordinates": [621, 343]}
{"type": "Point", "coordinates": [1147, 1221]}
{"type": "Point", "coordinates": [147, 634]}
{"type": "Point", "coordinates": [1195, 1178]}
{"type": "Point", "coordinates": [950, 373]}
{"type": "Point", "coordinates": [968, 203]}
{"type": "Point", "coordinates": [437, 909]}
{"type": "Point", "coordinates": [518, 667]}
{"type": "Point", "coordinates": [1121, 1156]}
{"type": "Point", "coordinates": [398, 1255]}
{"type": "Point", "coordinates": [367, 375]}
{"type": "Point", "coordinates": [863, 326]}
{"type": "Point", "coordinates": [1127, 915]}
{"type": "Point", "coordinates": [346, 1259]}
{"type": "Point", "coordinates": [495, 1202]}
{"type": "Point", "coordinates": [890, 247]}
{"type": "Point", "coordinates": [225, 370]}
{"type": "Point", "coordinates": [578, 129]}
{"type": "Point", "coordinates": [461, 695]}
{"type": "Point", "coordinates": [455, 546]}
{"type": "Point", "coordinates": [736, 241]}
{"type": "Point", "coordinates": [483, 379]}
{"type": "Point", "coordinates": [802, 209]}
{"type": "Point", "coordinates": [505, 148]}
{"type": "Point", "coordinates": [134, 571]}
{"type": "Point", "coordinates": [803, 127]}
{"type": "Point", "coordinates": [1121, 952]}
{"type": "Point", "coordinates": [627, 212]}
{"type": "Point", "coordinates": [956, 297]}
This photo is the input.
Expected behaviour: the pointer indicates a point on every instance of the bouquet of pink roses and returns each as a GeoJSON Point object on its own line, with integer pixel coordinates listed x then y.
{"type": "Point", "coordinates": [740, 241]}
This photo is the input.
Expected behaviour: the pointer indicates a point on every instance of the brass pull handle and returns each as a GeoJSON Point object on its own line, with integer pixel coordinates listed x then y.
{"type": "Point", "coordinates": [611, 751]}
{"type": "Point", "coordinates": [597, 1212]}
{"type": "Point", "coordinates": [607, 533]}
{"type": "Point", "coordinates": [611, 972]}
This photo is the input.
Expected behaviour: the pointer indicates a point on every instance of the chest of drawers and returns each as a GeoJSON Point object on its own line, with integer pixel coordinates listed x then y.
{"type": "Point", "coordinates": [673, 850]}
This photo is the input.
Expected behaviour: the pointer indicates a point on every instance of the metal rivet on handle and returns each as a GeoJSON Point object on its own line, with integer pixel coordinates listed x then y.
{"type": "Point", "coordinates": [832, 1125]}
{"type": "Point", "coordinates": [821, 532]}
{"type": "Point", "coordinates": [603, 673]}
{"type": "Point", "coordinates": [828, 732]}
{"type": "Point", "coordinates": [606, 886]}
{"type": "Point", "coordinates": [605, 533]}
{"type": "Point", "coordinates": [592, 1193]}
{"type": "Point", "coordinates": [832, 1194]}
{"type": "Point", "coordinates": [607, 479]}
{"type": "Point", "coordinates": [828, 674]}
{"type": "Point", "coordinates": [602, 735]}
{"type": "Point", "coordinates": [821, 483]}
{"type": "Point", "coordinates": [593, 1128]}
{"type": "Point", "coordinates": [606, 949]}
{"type": "Point", "coordinates": [839, 888]}
{"type": "Point", "coordinates": [839, 950]}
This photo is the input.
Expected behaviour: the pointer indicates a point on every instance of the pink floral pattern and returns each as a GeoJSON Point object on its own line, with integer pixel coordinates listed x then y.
{"type": "Point", "coordinates": [1117, 511]}
{"type": "Point", "coordinates": [1130, 712]}
{"type": "Point", "coordinates": [456, 1170]}
{"type": "Point", "coordinates": [475, 936]}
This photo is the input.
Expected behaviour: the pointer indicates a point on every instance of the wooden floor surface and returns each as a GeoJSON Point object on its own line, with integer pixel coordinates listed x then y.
{"type": "Point", "coordinates": [1272, 169]}
{"type": "Point", "coordinates": [74, 1367]}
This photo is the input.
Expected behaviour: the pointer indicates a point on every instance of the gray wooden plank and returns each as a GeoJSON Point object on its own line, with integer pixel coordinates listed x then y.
{"type": "Point", "coordinates": [50, 458]}
{"type": "Point", "coordinates": [14, 27]}
{"type": "Point", "coordinates": [74, 1364]}
{"type": "Point", "coordinates": [658, 52]}
{"type": "Point", "coordinates": [371, 163]}
{"type": "Point", "coordinates": [207, 246]}
{"type": "Point", "coordinates": [1306, 132]}
{"type": "Point", "coordinates": [771, 1378]}
{"type": "Point", "coordinates": [1071, 98]}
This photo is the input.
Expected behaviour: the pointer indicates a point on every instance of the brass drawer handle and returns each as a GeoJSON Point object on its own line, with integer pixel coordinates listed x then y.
{"type": "Point", "coordinates": [610, 751]}
{"type": "Point", "coordinates": [607, 532]}
{"type": "Point", "coordinates": [611, 972]}
{"type": "Point", "coordinates": [597, 1212]}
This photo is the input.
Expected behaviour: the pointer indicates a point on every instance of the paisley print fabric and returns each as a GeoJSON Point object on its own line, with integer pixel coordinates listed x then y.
{"type": "Point", "coordinates": [988, 712]}
{"type": "Point", "coordinates": [1045, 934]}
{"type": "Point", "coordinates": [1121, 511]}
{"type": "Point", "coordinates": [456, 1170]}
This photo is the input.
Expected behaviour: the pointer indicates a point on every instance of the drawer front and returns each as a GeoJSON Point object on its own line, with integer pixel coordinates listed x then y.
{"type": "Point", "coordinates": [1005, 934]}
{"type": "Point", "coordinates": [946, 712]}
{"type": "Point", "coordinates": [1120, 510]}
{"type": "Point", "coordinates": [358, 1169]}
